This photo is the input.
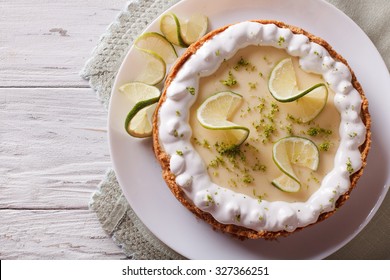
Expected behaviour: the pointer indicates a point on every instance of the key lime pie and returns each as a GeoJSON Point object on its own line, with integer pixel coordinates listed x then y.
{"type": "Point", "coordinates": [262, 129]}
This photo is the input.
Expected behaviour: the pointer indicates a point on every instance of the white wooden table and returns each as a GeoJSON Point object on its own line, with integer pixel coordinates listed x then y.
{"type": "Point", "coordinates": [53, 140]}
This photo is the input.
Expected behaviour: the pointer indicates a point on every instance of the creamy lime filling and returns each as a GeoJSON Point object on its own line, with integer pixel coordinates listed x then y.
{"type": "Point", "coordinates": [227, 205]}
{"type": "Point", "coordinates": [251, 169]}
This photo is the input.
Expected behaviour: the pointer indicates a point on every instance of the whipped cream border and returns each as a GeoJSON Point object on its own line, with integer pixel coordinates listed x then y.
{"type": "Point", "coordinates": [225, 205]}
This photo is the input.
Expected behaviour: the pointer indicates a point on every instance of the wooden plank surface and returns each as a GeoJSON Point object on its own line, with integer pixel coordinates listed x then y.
{"type": "Point", "coordinates": [54, 147]}
{"type": "Point", "coordinates": [54, 234]}
{"type": "Point", "coordinates": [46, 42]}
{"type": "Point", "coordinates": [53, 137]}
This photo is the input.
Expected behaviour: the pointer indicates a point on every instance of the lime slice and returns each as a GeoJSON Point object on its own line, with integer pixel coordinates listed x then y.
{"type": "Point", "coordinates": [155, 42]}
{"type": "Point", "coordinates": [308, 107]}
{"type": "Point", "coordinates": [214, 113]}
{"type": "Point", "coordinates": [283, 86]}
{"type": "Point", "coordinates": [286, 184]}
{"type": "Point", "coordinates": [170, 27]}
{"type": "Point", "coordinates": [293, 150]}
{"type": "Point", "coordinates": [194, 28]}
{"type": "Point", "coordinates": [140, 125]}
{"type": "Point", "coordinates": [282, 82]}
{"type": "Point", "coordinates": [143, 97]}
{"type": "Point", "coordinates": [152, 67]}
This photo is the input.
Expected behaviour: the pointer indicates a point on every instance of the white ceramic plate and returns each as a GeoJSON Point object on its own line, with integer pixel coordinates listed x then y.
{"type": "Point", "coordinates": [140, 175]}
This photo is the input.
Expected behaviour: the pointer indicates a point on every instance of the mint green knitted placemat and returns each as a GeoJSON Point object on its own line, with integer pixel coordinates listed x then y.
{"type": "Point", "coordinates": [114, 213]}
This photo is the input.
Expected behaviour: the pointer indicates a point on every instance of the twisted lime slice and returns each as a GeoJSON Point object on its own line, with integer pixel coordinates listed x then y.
{"type": "Point", "coordinates": [214, 113]}
{"type": "Point", "coordinates": [171, 28]}
{"type": "Point", "coordinates": [293, 150]}
{"type": "Point", "coordinates": [183, 33]}
{"type": "Point", "coordinates": [286, 183]}
{"type": "Point", "coordinates": [138, 122]}
{"type": "Point", "coordinates": [282, 85]}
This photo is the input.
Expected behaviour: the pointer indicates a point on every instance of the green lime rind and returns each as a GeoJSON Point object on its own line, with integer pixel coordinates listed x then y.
{"type": "Point", "coordinates": [138, 107]}
{"type": "Point", "coordinates": [297, 96]}
{"type": "Point", "coordinates": [244, 129]}
{"type": "Point", "coordinates": [232, 127]}
{"type": "Point", "coordinates": [169, 57]}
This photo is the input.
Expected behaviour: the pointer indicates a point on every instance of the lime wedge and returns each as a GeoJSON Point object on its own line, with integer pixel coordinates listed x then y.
{"type": "Point", "coordinates": [170, 27]}
{"type": "Point", "coordinates": [140, 125]}
{"type": "Point", "coordinates": [155, 42]}
{"type": "Point", "coordinates": [286, 183]}
{"type": "Point", "coordinates": [293, 150]}
{"type": "Point", "coordinates": [152, 69]}
{"type": "Point", "coordinates": [282, 82]}
{"type": "Point", "coordinates": [194, 28]}
{"type": "Point", "coordinates": [143, 97]}
{"type": "Point", "coordinates": [214, 113]}
{"type": "Point", "coordinates": [283, 86]}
